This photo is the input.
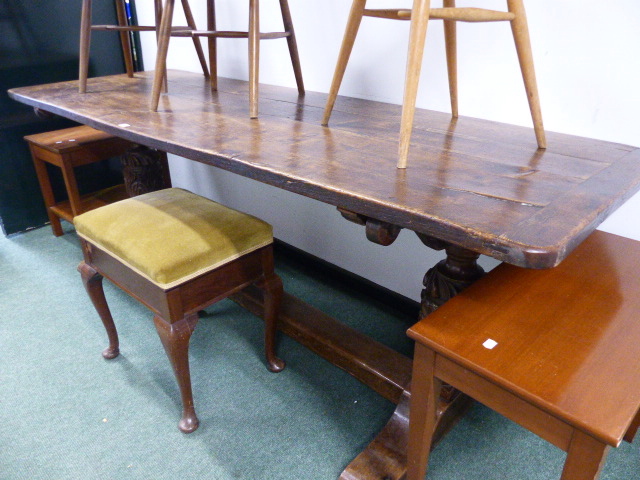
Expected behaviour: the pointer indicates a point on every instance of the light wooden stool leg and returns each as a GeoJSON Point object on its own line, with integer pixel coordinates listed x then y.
{"type": "Point", "coordinates": [164, 35]}
{"type": "Point", "coordinates": [523, 47]}
{"type": "Point", "coordinates": [585, 458]}
{"type": "Point", "coordinates": [196, 41]}
{"type": "Point", "coordinates": [71, 185]}
{"type": "Point", "coordinates": [125, 39]}
{"type": "Point", "coordinates": [417, 35]}
{"type": "Point", "coordinates": [92, 281]}
{"type": "Point", "coordinates": [450, 41]}
{"type": "Point", "coordinates": [47, 192]}
{"type": "Point", "coordinates": [254, 56]}
{"type": "Point", "coordinates": [213, 44]}
{"type": "Point", "coordinates": [175, 340]}
{"type": "Point", "coordinates": [292, 44]}
{"type": "Point", "coordinates": [425, 391]}
{"type": "Point", "coordinates": [353, 24]}
{"type": "Point", "coordinates": [85, 41]}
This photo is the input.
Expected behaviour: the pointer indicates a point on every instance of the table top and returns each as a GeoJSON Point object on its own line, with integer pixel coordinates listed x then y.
{"type": "Point", "coordinates": [478, 184]}
{"type": "Point", "coordinates": [567, 339]}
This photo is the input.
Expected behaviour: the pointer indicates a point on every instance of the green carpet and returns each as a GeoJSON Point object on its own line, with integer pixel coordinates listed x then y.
{"type": "Point", "coordinates": [66, 413]}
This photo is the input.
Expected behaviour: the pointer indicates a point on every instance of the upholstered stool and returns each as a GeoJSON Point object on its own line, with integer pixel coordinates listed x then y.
{"type": "Point", "coordinates": [178, 253]}
{"type": "Point", "coordinates": [212, 33]}
{"type": "Point", "coordinates": [554, 350]}
{"type": "Point", "coordinates": [124, 28]}
{"type": "Point", "coordinates": [67, 149]}
{"type": "Point", "coordinates": [419, 16]}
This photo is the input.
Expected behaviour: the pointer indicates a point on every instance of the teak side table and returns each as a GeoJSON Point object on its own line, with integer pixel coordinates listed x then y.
{"type": "Point", "coordinates": [67, 149]}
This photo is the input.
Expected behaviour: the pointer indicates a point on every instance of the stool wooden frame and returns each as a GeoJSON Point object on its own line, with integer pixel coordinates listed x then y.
{"type": "Point", "coordinates": [124, 28]}
{"type": "Point", "coordinates": [419, 16]}
{"type": "Point", "coordinates": [176, 309]}
{"type": "Point", "coordinates": [565, 365]}
{"type": "Point", "coordinates": [69, 148]}
{"type": "Point", "coordinates": [253, 34]}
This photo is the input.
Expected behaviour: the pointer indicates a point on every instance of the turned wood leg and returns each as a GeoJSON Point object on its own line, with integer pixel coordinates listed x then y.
{"type": "Point", "coordinates": [125, 39]}
{"type": "Point", "coordinates": [212, 43]}
{"type": "Point", "coordinates": [254, 56]}
{"type": "Point", "coordinates": [196, 41]}
{"type": "Point", "coordinates": [145, 170]}
{"type": "Point", "coordinates": [272, 288]}
{"type": "Point", "coordinates": [164, 35]}
{"type": "Point", "coordinates": [450, 42]}
{"type": "Point", "coordinates": [85, 41]}
{"type": "Point", "coordinates": [353, 24]}
{"type": "Point", "coordinates": [585, 458]}
{"type": "Point", "coordinates": [175, 340]}
{"type": "Point", "coordinates": [417, 36]}
{"type": "Point", "coordinates": [292, 44]}
{"type": "Point", "coordinates": [425, 392]}
{"type": "Point", "coordinates": [523, 47]}
{"type": "Point", "coordinates": [92, 281]}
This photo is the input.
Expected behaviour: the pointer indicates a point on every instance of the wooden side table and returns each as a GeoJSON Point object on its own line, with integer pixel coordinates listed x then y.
{"type": "Point", "coordinates": [67, 149]}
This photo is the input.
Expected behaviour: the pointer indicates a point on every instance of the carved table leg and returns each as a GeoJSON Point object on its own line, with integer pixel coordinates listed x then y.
{"type": "Point", "coordinates": [145, 170]}
{"type": "Point", "coordinates": [385, 457]}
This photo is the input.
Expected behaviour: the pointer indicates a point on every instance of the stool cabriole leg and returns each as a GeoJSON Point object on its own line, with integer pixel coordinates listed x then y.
{"type": "Point", "coordinates": [175, 340]}
{"type": "Point", "coordinates": [272, 287]}
{"type": "Point", "coordinates": [92, 281]}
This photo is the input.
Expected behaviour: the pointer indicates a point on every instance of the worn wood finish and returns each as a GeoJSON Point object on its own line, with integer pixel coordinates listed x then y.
{"type": "Point", "coordinates": [253, 34]}
{"type": "Point", "coordinates": [419, 15]}
{"type": "Point", "coordinates": [477, 184]}
{"type": "Point", "coordinates": [67, 149]}
{"type": "Point", "coordinates": [565, 363]}
{"type": "Point", "coordinates": [176, 309]}
{"type": "Point", "coordinates": [86, 27]}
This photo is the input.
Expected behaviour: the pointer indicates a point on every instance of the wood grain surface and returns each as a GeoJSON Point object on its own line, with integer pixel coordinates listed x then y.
{"type": "Point", "coordinates": [482, 185]}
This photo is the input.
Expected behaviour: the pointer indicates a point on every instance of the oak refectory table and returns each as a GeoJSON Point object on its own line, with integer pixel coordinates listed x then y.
{"type": "Point", "coordinates": [472, 187]}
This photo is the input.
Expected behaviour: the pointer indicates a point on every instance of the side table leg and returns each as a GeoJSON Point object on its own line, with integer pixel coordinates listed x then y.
{"type": "Point", "coordinates": [145, 170]}
{"type": "Point", "coordinates": [385, 458]}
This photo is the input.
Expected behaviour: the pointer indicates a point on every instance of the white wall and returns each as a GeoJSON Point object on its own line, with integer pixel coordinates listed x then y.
{"type": "Point", "coordinates": [587, 56]}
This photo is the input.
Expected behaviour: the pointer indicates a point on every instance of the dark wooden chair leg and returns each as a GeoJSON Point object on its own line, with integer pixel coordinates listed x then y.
{"type": "Point", "coordinates": [85, 39]}
{"type": "Point", "coordinates": [175, 339]}
{"type": "Point", "coordinates": [196, 41]}
{"type": "Point", "coordinates": [92, 281]}
{"type": "Point", "coordinates": [125, 39]}
{"type": "Point", "coordinates": [292, 44]}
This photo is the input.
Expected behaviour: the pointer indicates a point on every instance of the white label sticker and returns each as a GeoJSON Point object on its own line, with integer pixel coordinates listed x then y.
{"type": "Point", "coordinates": [489, 343]}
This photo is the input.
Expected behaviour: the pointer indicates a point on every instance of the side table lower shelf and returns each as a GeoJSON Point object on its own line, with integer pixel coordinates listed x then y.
{"type": "Point", "coordinates": [90, 201]}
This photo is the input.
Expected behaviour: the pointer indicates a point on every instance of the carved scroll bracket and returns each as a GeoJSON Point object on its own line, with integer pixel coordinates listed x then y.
{"type": "Point", "coordinates": [449, 277]}
{"type": "Point", "coordinates": [377, 231]}
{"type": "Point", "coordinates": [145, 170]}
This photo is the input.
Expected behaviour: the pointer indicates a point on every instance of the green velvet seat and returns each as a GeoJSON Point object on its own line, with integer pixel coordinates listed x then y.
{"type": "Point", "coordinates": [177, 253]}
{"type": "Point", "coordinates": [172, 235]}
